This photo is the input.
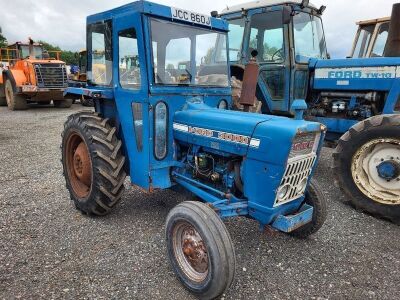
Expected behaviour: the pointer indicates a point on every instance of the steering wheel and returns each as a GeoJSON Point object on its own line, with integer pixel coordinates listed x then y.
{"type": "Point", "coordinates": [280, 52]}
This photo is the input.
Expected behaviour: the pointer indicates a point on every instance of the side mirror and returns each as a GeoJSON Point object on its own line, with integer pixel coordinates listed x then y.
{"type": "Point", "coordinates": [286, 15]}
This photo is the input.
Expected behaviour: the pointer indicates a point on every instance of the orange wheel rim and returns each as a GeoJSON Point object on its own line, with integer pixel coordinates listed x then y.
{"type": "Point", "coordinates": [79, 165]}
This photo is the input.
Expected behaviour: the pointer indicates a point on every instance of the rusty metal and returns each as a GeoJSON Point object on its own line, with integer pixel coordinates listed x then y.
{"type": "Point", "coordinates": [78, 165]}
{"type": "Point", "coordinates": [392, 48]}
{"type": "Point", "coordinates": [190, 251]}
{"type": "Point", "coordinates": [250, 78]}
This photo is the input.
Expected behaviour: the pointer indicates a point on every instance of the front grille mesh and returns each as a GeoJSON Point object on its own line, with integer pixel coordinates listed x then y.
{"type": "Point", "coordinates": [51, 76]}
{"type": "Point", "coordinates": [298, 170]}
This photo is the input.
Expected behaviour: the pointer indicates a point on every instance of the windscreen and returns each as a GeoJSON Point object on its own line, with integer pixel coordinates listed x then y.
{"type": "Point", "coordinates": [187, 55]}
{"type": "Point", "coordinates": [37, 50]}
{"type": "Point", "coordinates": [309, 37]}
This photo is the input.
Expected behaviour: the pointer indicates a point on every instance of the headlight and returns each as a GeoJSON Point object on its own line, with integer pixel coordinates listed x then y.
{"type": "Point", "coordinates": [301, 187]}
{"type": "Point", "coordinates": [223, 104]}
{"type": "Point", "coordinates": [283, 193]}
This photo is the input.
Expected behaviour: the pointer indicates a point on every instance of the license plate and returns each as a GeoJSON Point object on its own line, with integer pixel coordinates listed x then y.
{"type": "Point", "coordinates": [188, 16]}
{"type": "Point", "coordinates": [29, 88]}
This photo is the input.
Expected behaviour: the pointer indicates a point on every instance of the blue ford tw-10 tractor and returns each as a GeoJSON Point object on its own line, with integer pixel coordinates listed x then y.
{"type": "Point", "coordinates": [161, 118]}
{"type": "Point", "coordinates": [357, 99]}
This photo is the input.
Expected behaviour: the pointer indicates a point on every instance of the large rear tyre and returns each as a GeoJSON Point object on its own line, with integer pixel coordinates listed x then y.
{"type": "Point", "coordinates": [367, 166]}
{"type": "Point", "coordinates": [88, 102]}
{"type": "Point", "coordinates": [316, 199]}
{"type": "Point", "coordinates": [14, 101]}
{"type": "Point", "coordinates": [66, 103]}
{"type": "Point", "coordinates": [93, 163]}
{"type": "Point", "coordinates": [200, 249]}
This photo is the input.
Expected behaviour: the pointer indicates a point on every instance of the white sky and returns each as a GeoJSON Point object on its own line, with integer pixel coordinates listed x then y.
{"type": "Point", "coordinates": [62, 22]}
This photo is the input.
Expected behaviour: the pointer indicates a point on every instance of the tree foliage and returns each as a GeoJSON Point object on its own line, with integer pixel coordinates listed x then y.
{"type": "Point", "coordinates": [69, 57]}
{"type": "Point", "coordinates": [3, 40]}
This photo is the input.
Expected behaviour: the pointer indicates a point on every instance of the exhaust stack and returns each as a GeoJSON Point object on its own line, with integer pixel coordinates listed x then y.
{"type": "Point", "coordinates": [392, 48]}
{"type": "Point", "coordinates": [250, 78]}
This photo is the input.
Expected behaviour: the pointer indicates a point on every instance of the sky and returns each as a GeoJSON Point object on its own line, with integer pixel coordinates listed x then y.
{"type": "Point", "coordinates": [62, 22]}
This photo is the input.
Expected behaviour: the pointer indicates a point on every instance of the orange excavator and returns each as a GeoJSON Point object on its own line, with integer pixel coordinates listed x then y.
{"type": "Point", "coordinates": [28, 73]}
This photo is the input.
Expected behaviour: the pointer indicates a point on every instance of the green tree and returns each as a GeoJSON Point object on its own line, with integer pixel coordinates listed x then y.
{"type": "Point", "coordinates": [3, 40]}
{"type": "Point", "coordinates": [69, 57]}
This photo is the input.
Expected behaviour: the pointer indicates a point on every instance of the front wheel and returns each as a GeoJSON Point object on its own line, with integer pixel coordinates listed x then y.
{"type": "Point", "coordinates": [200, 249]}
{"type": "Point", "coordinates": [367, 166]}
{"type": "Point", "coordinates": [66, 103]}
{"type": "Point", "coordinates": [14, 101]}
{"type": "Point", "coordinates": [315, 198]}
{"type": "Point", "coordinates": [93, 163]}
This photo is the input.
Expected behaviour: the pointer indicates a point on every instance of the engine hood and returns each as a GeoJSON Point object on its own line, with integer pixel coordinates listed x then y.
{"type": "Point", "coordinates": [261, 137]}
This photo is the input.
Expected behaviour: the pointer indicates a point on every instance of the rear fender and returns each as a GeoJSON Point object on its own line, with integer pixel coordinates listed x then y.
{"type": "Point", "coordinates": [17, 78]}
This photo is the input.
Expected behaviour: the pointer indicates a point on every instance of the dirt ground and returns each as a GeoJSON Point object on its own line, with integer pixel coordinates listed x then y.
{"type": "Point", "coordinates": [48, 250]}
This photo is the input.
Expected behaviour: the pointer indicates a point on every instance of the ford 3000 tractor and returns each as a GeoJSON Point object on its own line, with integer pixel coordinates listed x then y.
{"type": "Point", "coordinates": [357, 99]}
{"type": "Point", "coordinates": [162, 120]}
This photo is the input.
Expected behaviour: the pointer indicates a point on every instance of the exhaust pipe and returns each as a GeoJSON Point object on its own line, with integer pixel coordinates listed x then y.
{"type": "Point", "coordinates": [31, 49]}
{"type": "Point", "coordinates": [392, 48]}
{"type": "Point", "coordinates": [250, 79]}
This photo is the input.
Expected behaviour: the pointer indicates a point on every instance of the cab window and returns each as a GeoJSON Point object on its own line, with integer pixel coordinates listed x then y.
{"type": "Point", "coordinates": [236, 32]}
{"type": "Point", "coordinates": [266, 37]}
{"type": "Point", "coordinates": [129, 67]}
{"type": "Point", "coordinates": [363, 41]}
{"type": "Point", "coordinates": [100, 51]}
{"type": "Point", "coordinates": [381, 40]}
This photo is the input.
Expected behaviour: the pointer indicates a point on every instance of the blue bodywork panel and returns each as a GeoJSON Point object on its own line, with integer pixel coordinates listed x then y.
{"type": "Point", "coordinates": [196, 131]}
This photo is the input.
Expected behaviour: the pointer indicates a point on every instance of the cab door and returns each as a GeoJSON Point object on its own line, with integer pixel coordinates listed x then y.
{"type": "Point", "coordinates": [269, 36]}
{"type": "Point", "coordinates": [131, 94]}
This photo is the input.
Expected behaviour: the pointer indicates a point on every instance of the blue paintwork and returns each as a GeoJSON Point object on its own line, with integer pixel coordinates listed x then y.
{"type": "Point", "coordinates": [291, 223]}
{"type": "Point", "coordinates": [389, 169]}
{"type": "Point", "coordinates": [263, 164]}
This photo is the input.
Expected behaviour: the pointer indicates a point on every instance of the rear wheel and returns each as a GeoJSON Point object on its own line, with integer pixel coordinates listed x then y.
{"type": "Point", "coordinates": [367, 166]}
{"type": "Point", "coordinates": [14, 101]}
{"type": "Point", "coordinates": [316, 199]}
{"type": "Point", "coordinates": [200, 249]}
{"type": "Point", "coordinates": [66, 103]}
{"type": "Point", "coordinates": [93, 163]}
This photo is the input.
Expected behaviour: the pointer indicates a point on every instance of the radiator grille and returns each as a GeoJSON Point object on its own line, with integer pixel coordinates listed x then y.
{"type": "Point", "coordinates": [297, 173]}
{"type": "Point", "coordinates": [51, 76]}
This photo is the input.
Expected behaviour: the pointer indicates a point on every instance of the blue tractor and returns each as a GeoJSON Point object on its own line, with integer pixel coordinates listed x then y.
{"type": "Point", "coordinates": [164, 121]}
{"type": "Point", "coordinates": [357, 99]}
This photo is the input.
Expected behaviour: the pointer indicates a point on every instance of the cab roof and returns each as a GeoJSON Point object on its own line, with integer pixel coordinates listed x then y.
{"type": "Point", "coordinates": [260, 4]}
{"type": "Point", "coordinates": [374, 21]}
{"type": "Point", "coordinates": [151, 9]}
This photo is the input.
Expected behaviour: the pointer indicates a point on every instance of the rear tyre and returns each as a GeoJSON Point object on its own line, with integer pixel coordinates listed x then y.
{"type": "Point", "coordinates": [14, 101]}
{"type": "Point", "coordinates": [66, 103]}
{"type": "Point", "coordinates": [367, 166]}
{"type": "Point", "coordinates": [316, 199]}
{"type": "Point", "coordinates": [93, 163]}
{"type": "Point", "coordinates": [200, 249]}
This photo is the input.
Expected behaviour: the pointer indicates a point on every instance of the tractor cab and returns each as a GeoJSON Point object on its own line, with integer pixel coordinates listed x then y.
{"type": "Point", "coordinates": [371, 38]}
{"type": "Point", "coordinates": [20, 51]}
{"type": "Point", "coordinates": [286, 35]}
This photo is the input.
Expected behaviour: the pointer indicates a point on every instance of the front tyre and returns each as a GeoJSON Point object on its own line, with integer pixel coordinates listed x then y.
{"type": "Point", "coordinates": [367, 166]}
{"type": "Point", "coordinates": [15, 101]}
{"type": "Point", "coordinates": [200, 249]}
{"type": "Point", "coordinates": [315, 198]}
{"type": "Point", "coordinates": [93, 163]}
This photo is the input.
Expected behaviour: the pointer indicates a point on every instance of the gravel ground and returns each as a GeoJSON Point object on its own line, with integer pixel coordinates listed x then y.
{"type": "Point", "coordinates": [49, 250]}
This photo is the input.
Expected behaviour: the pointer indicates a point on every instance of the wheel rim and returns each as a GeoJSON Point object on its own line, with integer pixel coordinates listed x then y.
{"type": "Point", "coordinates": [79, 165]}
{"type": "Point", "coordinates": [190, 251]}
{"type": "Point", "coordinates": [9, 93]}
{"type": "Point", "coordinates": [375, 170]}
